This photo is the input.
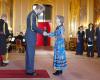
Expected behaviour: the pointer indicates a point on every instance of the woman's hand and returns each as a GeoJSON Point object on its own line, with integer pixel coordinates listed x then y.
{"type": "Point", "coordinates": [45, 33]}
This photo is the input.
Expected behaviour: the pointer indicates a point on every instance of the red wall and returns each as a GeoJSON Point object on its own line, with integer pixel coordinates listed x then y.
{"type": "Point", "coordinates": [40, 40]}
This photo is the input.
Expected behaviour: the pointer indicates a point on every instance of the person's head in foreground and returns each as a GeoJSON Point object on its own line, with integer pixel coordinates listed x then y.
{"type": "Point", "coordinates": [59, 20]}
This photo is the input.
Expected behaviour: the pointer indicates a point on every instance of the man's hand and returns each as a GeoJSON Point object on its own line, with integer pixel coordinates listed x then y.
{"type": "Point", "coordinates": [45, 33]}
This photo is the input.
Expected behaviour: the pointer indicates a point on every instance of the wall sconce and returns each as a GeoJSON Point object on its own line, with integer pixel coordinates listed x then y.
{"type": "Point", "coordinates": [71, 35]}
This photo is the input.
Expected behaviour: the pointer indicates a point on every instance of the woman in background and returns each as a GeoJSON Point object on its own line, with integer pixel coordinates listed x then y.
{"type": "Point", "coordinates": [90, 40]}
{"type": "Point", "coordinates": [80, 41]}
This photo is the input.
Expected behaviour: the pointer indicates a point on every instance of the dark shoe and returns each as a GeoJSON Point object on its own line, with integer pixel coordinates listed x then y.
{"type": "Point", "coordinates": [3, 64]}
{"type": "Point", "coordinates": [32, 74]}
{"type": "Point", "coordinates": [77, 54]}
{"type": "Point", "coordinates": [60, 72]}
{"type": "Point", "coordinates": [35, 74]}
{"type": "Point", "coordinates": [88, 55]}
{"type": "Point", "coordinates": [81, 53]}
{"type": "Point", "coordinates": [29, 73]}
{"type": "Point", "coordinates": [98, 56]}
{"type": "Point", "coordinates": [57, 73]}
{"type": "Point", "coordinates": [92, 56]}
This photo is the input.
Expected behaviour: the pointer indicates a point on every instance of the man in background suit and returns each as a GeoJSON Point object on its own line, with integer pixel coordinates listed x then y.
{"type": "Point", "coordinates": [30, 36]}
{"type": "Point", "coordinates": [98, 39]}
{"type": "Point", "coordinates": [4, 33]}
{"type": "Point", "coordinates": [90, 40]}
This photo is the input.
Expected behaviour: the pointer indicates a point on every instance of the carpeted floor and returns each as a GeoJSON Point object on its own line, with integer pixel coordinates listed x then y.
{"type": "Point", "coordinates": [21, 74]}
{"type": "Point", "coordinates": [79, 67]}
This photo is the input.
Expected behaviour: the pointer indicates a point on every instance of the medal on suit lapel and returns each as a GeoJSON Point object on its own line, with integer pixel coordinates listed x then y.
{"type": "Point", "coordinates": [31, 23]}
{"type": "Point", "coordinates": [36, 21]}
{"type": "Point", "coordinates": [4, 28]}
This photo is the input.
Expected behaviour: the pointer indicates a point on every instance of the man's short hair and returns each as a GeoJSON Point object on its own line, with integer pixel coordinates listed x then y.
{"type": "Point", "coordinates": [61, 18]}
{"type": "Point", "coordinates": [40, 6]}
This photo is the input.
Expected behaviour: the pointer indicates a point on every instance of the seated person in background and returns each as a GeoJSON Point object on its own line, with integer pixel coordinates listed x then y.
{"type": "Point", "coordinates": [20, 36]}
{"type": "Point", "coordinates": [22, 39]}
{"type": "Point", "coordinates": [11, 34]}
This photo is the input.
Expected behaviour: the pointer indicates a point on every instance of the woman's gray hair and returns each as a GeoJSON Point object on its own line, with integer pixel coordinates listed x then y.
{"type": "Point", "coordinates": [61, 18]}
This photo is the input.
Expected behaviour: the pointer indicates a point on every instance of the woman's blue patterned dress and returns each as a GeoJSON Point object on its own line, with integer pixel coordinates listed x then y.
{"type": "Point", "coordinates": [59, 48]}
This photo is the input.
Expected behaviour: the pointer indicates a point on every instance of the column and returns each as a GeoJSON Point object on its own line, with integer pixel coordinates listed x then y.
{"type": "Point", "coordinates": [90, 11]}
{"type": "Point", "coordinates": [16, 16]}
{"type": "Point", "coordinates": [25, 11]}
{"type": "Point", "coordinates": [20, 11]}
{"type": "Point", "coordinates": [3, 6]}
{"type": "Point", "coordinates": [0, 7]}
{"type": "Point", "coordinates": [67, 20]}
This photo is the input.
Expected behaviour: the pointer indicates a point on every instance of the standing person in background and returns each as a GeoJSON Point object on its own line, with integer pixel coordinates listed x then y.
{"type": "Point", "coordinates": [90, 40]}
{"type": "Point", "coordinates": [4, 33]}
{"type": "Point", "coordinates": [80, 41]}
{"type": "Point", "coordinates": [98, 39]}
{"type": "Point", "coordinates": [11, 34]}
{"type": "Point", "coordinates": [20, 36]}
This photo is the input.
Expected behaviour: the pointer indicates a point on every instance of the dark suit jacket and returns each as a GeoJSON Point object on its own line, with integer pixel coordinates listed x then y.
{"type": "Point", "coordinates": [2, 27]}
{"type": "Point", "coordinates": [32, 29]}
{"type": "Point", "coordinates": [4, 33]}
{"type": "Point", "coordinates": [98, 36]}
{"type": "Point", "coordinates": [89, 34]}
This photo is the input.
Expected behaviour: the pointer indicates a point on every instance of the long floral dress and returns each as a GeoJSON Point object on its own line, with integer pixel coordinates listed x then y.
{"type": "Point", "coordinates": [59, 49]}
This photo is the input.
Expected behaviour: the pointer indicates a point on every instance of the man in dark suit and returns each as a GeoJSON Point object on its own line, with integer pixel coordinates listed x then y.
{"type": "Point", "coordinates": [4, 33]}
{"type": "Point", "coordinates": [30, 36]}
{"type": "Point", "coordinates": [90, 40]}
{"type": "Point", "coordinates": [98, 40]}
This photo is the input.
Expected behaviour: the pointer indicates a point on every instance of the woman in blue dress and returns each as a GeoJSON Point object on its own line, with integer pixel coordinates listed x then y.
{"type": "Point", "coordinates": [80, 41]}
{"type": "Point", "coordinates": [59, 61]}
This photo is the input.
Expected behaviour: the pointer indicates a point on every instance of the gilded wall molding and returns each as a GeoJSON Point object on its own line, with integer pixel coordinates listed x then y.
{"type": "Point", "coordinates": [50, 2]}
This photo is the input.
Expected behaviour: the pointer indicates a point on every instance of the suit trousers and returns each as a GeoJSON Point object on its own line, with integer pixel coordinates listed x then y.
{"type": "Point", "coordinates": [90, 51]}
{"type": "Point", "coordinates": [98, 51]}
{"type": "Point", "coordinates": [30, 57]}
